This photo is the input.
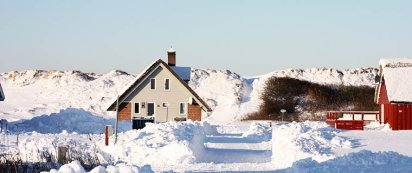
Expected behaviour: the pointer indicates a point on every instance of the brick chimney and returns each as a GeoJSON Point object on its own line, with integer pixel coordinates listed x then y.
{"type": "Point", "coordinates": [171, 57]}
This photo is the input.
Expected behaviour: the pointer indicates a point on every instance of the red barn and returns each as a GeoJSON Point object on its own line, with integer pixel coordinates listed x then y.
{"type": "Point", "coordinates": [394, 93]}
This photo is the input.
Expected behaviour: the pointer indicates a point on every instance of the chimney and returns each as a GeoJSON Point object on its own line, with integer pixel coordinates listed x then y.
{"type": "Point", "coordinates": [171, 57]}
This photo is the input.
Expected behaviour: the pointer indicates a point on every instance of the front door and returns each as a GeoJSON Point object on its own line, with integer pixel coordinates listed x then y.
{"type": "Point", "coordinates": [150, 109]}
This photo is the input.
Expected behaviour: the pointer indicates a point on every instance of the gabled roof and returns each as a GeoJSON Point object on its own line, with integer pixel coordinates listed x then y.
{"type": "Point", "coordinates": [139, 79]}
{"type": "Point", "coordinates": [2, 97]}
{"type": "Point", "coordinates": [397, 76]}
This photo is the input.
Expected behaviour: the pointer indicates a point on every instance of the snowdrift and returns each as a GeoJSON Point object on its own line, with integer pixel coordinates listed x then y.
{"type": "Point", "coordinates": [158, 144]}
{"type": "Point", "coordinates": [296, 141]}
{"type": "Point", "coordinates": [171, 143]}
{"type": "Point", "coordinates": [363, 161]}
{"type": "Point", "coordinates": [69, 120]}
{"type": "Point", "coordinates": [75, 167]}
{"type": "Point", "coordinates": [258, 132]}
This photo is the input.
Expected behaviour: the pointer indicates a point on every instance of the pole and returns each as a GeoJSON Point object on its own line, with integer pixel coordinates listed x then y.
{"type": "Point", "coordinates": [117, 119]}
{"type": "Point", "coordinates": [282, 115]}
{"type": "Point", "coordinates": [167, 113]}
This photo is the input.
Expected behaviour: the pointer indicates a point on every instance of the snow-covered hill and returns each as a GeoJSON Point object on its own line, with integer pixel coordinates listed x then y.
{"type": "Point", "coordinates": [232, 96]}
{"type": "Point", "coordinates": [37, 92]}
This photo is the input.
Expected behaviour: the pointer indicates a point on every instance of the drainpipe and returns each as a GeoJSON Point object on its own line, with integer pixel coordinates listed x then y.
{"type": "Point", "coordinates": [117, 119]}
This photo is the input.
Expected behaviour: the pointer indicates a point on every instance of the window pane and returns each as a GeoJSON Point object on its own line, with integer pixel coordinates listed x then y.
{"type": "Point", "coordinates": [182, 108]}
{"type": "Point", "coordinates": [167, 85]}
{"type": "Point", "coordinates": [152, 84]}
{"type": "Point", "coordinates": [136, 108]}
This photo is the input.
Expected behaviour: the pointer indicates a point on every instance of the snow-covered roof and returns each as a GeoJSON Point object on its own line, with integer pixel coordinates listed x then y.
{"type": "Point", "coordinates": [182, 72]}
{"type": "Point", "coordinates": [397, 74]}
{"type": "Point", "coordinates": [2, 97]}
{"type": "Point", "coordinates": [396, 62]}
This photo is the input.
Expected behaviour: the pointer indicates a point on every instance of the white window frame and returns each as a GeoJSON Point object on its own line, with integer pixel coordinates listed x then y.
{"type": "Point", "coordinates": [151, 84]}
{"type": "Point", "coordinates": [134, 107]}
{"type": "Point", "coordinates": [185, 108]}
{"type": "Point", "coordinates": [154, 109]}
{"type": "Point", "coordinates": [165, 84]}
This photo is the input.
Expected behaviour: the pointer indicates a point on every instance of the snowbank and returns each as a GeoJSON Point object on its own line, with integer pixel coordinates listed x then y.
{"type": "Point", "coordinates": [36, 147]}
{"type": "Point", "coordinates": [172, 143]}
{"type": "Point", "coordinates": [70, 120]}
{"type": "Point", "coordinates": [258, 132]}
{"type": "Point", "coordinates": [296, 141]}
{"type": "Point", "coordinates": [363, 161]}
{"type": "Point", "coordinates": [162, 144]}
{"type": "Point", "coordinates": [75, 167]}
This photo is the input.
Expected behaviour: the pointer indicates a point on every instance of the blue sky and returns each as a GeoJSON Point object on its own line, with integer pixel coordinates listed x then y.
{"type": "Point", "coordinates": [247, 37]}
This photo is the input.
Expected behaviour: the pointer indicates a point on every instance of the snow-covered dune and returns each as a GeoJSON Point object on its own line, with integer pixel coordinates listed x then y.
{"type": "Point", "coordinates": [37, 92]}
{"type": "Point", "coordinates": [232, 96]}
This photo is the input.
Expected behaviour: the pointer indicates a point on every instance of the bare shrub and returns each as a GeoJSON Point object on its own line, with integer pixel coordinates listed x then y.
{"type": "Point", "coordinates": [299, 97]}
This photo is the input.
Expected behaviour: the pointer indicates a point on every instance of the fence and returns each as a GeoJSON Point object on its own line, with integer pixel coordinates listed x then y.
{"type": "Point", "coordinates": [351, 120]}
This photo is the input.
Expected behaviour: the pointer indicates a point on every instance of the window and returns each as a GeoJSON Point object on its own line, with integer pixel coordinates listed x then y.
{"type": "Point", "coordinates": [150, 109]}
{"type": "Point", "coordinates": [182, 108]}
{"type": "Point", "coordinates": [153, 83]}
{"type": "Point", "coordinates": [136, 108]}
{"type": "Point", "coordinates": [167, 84]}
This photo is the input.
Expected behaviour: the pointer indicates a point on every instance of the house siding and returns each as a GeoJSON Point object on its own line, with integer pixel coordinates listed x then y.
{"type": "Point", "coordinates": [177, 94]}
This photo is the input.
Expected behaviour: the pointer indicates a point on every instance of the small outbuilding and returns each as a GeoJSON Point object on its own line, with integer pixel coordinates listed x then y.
{"type": "Point", "coordinates": [394, 93]}
{"type": "Point", "coordinates": [159, 94]}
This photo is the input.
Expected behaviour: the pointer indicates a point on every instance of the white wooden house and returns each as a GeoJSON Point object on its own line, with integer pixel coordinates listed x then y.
{"type": "Point", "coordinates": [160, 94]}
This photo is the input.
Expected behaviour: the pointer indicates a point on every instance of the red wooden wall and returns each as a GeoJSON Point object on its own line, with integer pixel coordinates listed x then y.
{"type": "Point", "coordinates": [383, 95]}
{"type": "Point", "coordinates": [398, 116]}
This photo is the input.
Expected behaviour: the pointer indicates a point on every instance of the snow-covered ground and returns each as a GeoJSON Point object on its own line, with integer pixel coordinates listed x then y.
{"type": "Point", "coordinates": [238, 146]}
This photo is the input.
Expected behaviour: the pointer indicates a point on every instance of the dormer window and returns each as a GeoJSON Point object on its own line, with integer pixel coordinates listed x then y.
{"type": "Point", "coordinates": [153, 83]}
